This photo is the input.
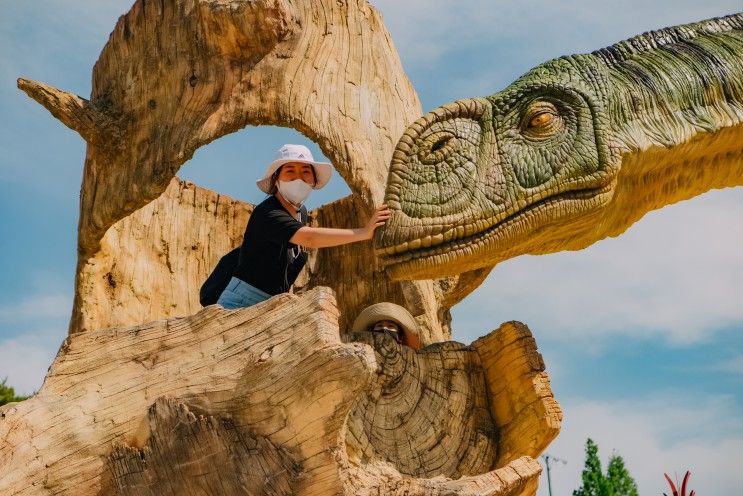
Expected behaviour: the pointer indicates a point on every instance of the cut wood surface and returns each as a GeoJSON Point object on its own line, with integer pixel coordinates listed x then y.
{"type": "Point", "coordinates": [268, 400]}
{"type": "Point", "coordinates": [430, 416]}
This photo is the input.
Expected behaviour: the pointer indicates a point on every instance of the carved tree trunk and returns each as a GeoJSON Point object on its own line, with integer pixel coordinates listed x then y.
{"type": "Point", "coordinates": [265, 400]}
{"type": "Point", "coordinates": [177, 75]}
{"type": "Point", "coordinates": [268, 400]}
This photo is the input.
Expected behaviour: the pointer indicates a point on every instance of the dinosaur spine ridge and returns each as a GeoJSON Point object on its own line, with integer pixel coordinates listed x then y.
{"type": "Point", "coordinates": [652, 40]}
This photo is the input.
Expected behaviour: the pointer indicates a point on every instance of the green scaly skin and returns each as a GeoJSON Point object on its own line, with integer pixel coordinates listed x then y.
{"type": "Point", "coordinates": [576, 150]}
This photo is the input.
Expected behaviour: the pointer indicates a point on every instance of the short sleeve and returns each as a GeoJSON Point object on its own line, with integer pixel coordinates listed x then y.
{"type": "Point", "coordinates": [279, 226]}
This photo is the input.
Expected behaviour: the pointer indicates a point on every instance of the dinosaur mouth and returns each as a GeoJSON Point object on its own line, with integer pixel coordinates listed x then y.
{"type": "Point", "coordinates": [457, 239]}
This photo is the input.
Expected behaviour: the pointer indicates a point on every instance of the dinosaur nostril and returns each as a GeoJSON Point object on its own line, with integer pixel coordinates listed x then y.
{"type": "Point", "coordinates": [436, 147]}
{"type": "Point", "coordinates": [440, 144]}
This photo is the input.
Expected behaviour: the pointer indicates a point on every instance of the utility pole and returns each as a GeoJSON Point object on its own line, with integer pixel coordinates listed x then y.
{"type": "Point", "coordinates": [547, 459]}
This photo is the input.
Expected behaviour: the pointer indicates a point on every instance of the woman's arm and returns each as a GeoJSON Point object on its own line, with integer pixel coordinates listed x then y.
{"type": "Point", "coordinates": [323, 237]}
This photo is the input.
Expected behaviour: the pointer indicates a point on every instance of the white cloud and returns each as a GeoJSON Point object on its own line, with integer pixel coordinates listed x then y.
{"type": "Point", "coordinates": [476, 47]}
{"type": "Point", "coordinates": [733, 365]}
{"type": "Point", "coordinates": [24, 360]}
{"type": "Point", "coordinates": [31, 331]}
{"type": "Point", "coordinates": [425, 30]}
{"type": "Point", "coordinates": [42, 306]}
{"type": "Point", "coordinates": [670, 434]}
{"type": "Point", "coordinates": [676, 273]}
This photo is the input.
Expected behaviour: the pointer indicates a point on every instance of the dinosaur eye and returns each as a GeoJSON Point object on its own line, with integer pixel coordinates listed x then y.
{"type": "Point", "coordinates": [541, 120]}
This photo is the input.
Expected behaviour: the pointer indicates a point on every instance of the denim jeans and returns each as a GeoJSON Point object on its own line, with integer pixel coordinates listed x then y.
{"type": "Point", "coordinates": [240, 294]}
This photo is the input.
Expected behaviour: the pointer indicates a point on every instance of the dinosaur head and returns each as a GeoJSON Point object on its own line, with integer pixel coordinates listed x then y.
{"type": "Point", "coordinates": [576, 150]}
{"type": "Point", "coordinates": [481, 180]}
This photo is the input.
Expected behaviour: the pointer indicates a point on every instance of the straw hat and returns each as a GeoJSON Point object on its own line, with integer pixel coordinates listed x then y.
{"type": "Point", "coordinates": [389, 311]}
{"type": "Point", "coordinates": [295, 153]}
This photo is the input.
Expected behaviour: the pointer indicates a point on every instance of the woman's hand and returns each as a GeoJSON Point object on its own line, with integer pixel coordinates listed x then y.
{"type": "Point", "coordinates": [377, 219]}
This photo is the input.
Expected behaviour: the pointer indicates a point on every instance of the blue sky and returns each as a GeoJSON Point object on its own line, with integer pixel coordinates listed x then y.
{"type": "Point", "coordinates": [642, 334]}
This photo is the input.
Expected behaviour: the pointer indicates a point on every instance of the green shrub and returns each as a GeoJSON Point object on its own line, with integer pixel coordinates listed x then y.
{"type": "Point", "coordinates": [7, 394]}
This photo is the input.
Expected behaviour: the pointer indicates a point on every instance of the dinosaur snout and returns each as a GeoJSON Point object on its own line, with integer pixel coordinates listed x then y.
{"type": "Point", "coordinates": [434, 167]}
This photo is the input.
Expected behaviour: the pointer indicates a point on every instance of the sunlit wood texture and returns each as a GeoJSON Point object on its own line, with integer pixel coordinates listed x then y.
{"type": "Point", "coordinates": [431, 415]}
{"type": "Point", "coordinates": [521, 399]}
{"type": "Point", "coordinates": [267, 400]}
{"type": "Point", "coordinates": [177, 75]}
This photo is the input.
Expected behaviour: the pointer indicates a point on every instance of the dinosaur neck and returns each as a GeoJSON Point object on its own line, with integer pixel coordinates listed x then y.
{"type": "Point", "coordinates": [659, 176]}
{"type": "Point", "coordinates": [677, 115]}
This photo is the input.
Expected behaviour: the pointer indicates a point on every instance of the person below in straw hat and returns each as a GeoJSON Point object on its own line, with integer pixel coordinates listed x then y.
{"type": "Point", "coordinates": [272, 252]}
{"type": "Point", "coordinates": [391, 319]}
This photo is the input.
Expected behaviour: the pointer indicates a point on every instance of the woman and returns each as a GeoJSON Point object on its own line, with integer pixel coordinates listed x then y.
{"type": "Point", "coordinates": [272, 252]}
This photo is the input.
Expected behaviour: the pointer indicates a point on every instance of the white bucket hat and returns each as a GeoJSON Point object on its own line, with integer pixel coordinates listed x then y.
{"type": "Point", "coordinates": [295, 153]}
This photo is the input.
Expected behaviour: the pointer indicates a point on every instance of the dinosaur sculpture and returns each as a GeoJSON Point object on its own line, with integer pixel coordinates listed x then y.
{"type": "Point", "coordinates": [576, 150]}
{"type": "Point", "coordinates": [150, 396]}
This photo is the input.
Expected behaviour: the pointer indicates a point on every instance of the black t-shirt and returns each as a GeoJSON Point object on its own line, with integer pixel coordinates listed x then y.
{"type": "Point", "coordinates": [268, 261]}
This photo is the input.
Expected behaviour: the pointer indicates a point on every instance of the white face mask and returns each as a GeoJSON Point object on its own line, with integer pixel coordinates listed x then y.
{"type": "Point", "coordinates": [295, 191]}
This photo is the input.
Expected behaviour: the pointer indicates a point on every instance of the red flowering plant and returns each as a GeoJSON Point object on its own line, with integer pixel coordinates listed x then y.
{"type": "Point", "coordinates": [674, 491]}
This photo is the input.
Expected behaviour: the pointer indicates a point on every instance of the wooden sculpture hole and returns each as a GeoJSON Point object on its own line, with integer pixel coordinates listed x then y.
{"type": "Point", "coordinates": [232, 164]}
